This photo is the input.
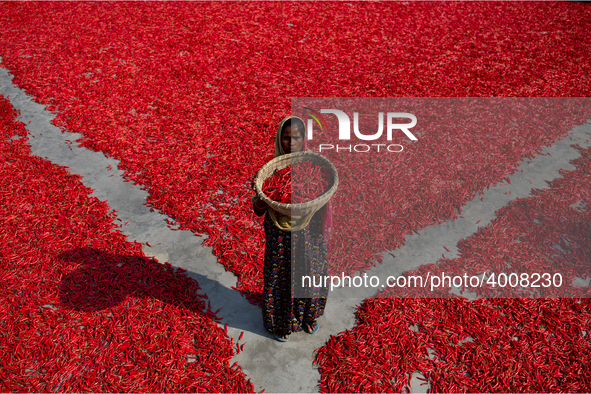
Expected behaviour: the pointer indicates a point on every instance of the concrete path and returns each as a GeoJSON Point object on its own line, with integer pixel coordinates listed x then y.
{"type": "Point", "coordinates": [273, 366]}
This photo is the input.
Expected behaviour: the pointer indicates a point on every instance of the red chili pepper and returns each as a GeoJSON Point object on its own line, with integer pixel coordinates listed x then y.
{"type": "Point", "coordinates": [280, 186]}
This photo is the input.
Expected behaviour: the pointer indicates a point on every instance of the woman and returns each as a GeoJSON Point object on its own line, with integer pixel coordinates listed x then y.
{"type": "Point", "coordinates": [283, 315]}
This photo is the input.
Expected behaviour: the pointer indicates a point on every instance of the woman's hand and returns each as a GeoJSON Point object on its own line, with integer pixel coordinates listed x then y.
{"type": "Point", "coordinates": [259, 206]}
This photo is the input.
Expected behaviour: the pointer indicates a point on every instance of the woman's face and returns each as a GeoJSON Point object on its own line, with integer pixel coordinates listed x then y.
{"type": "Point", "coordinates": [291, 141]}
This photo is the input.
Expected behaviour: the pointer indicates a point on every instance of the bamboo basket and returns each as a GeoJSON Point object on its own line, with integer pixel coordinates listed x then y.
{"type": "Point", "coordinates": [303, 209]}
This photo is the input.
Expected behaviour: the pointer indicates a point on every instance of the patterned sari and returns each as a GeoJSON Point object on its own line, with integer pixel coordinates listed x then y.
{"type": "Point", "coordinates": [282, 314]}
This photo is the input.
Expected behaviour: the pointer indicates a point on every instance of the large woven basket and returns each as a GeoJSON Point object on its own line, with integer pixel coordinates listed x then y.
{"type": "Point", "coordinates": [304, 209]}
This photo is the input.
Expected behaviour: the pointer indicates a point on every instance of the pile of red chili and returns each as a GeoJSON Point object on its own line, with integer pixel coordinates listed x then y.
{"type": "Point", "coordinates": [81, 308]}
{"type": "Point", "coordinates": [494, 346]}
{"type": "Point", "coordinates": [297, 183]}
{"type": "Point", "coordinates": [488, 345]}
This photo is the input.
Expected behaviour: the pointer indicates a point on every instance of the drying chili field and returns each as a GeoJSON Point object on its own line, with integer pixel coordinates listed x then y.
{"type": "Point", "coordinates": [127, 322]}
{"type": "Point", "coordinates": [187, 96]}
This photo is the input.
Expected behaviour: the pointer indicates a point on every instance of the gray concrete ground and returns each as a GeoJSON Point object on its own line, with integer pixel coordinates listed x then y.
{"type": "Point", "coordinates": [273, 366]}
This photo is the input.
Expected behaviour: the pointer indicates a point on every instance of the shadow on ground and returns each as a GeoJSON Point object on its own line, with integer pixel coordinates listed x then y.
{"type": "Point", "coordinates": [104, 280]}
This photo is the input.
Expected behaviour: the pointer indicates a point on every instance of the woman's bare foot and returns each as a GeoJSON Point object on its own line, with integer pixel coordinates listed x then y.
{"type": "Point", "coordinates": [281, 337]}
{"type": "Point", "coordinates": [309, 329]}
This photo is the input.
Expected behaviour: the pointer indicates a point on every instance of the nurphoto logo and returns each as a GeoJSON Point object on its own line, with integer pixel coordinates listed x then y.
{"type": "Point", "coordinates": [345, 130]}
